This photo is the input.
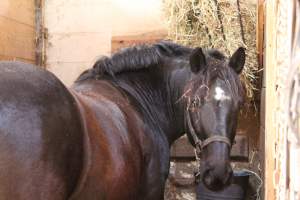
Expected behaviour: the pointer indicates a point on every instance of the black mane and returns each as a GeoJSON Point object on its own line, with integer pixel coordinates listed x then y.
{"type": "Point", "coordinates": [141, 57]}
{"type": "Point", "coordinates": [134, 58]}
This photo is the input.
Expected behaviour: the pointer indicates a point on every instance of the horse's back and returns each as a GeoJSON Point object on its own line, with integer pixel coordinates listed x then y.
{"type": "Point", "coordinates": [40, 135]}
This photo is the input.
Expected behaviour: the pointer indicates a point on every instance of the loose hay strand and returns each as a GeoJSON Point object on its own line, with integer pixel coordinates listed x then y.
{"type": "Point", "coordinates": [221, 24]}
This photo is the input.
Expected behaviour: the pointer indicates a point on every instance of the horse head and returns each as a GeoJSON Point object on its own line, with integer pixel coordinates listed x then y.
{"type": "Point", "coordinates": [213, 97]}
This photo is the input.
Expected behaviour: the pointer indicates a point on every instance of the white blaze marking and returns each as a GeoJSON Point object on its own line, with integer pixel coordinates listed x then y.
{"type": "Point", "coordinates": [220, 94]}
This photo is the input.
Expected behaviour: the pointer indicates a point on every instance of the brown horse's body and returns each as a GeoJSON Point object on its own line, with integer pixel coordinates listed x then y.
{"type": "Point", "coordinates": [108, 136]}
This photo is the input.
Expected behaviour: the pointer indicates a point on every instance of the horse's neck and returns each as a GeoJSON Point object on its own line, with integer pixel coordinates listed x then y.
{"type": "Point", "coordinates": [157, 95]}
{"type": "Point", "coordinates": [177, 81]}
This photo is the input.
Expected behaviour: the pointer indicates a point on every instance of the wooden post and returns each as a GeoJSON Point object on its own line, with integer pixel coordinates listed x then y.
{"type": "Point", "coordinates": [270, 100]}
{"type": "Point", "coordinates": [260, 31]}
{"type": "Point", "coordinates": [279, 21]}
{"type": "Point", "coordinates": [40, 34]}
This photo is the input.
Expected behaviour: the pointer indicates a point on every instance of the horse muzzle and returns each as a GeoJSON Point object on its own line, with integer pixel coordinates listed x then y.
{"type": "Point", "coordinates": [216, 179]}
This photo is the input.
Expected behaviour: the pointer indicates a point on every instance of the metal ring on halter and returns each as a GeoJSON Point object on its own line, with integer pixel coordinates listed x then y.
{"type": "Point", "coordinates": [199, 145]}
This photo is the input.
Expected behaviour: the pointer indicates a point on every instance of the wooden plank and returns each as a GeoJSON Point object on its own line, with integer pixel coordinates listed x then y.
{"type": "Point", "coordinates": [260, 31]}
{"type": "Point", "coordinates": [40, 51]}
{"type": "Point", "coordinates": [182, 148]}
{"type": "Point", "coordinates": [270, 100]}
{"type": "Point", "coordinates": [13, 58]}
{"type": "Point", "coordinates": [16, 39]}
{"type": "Point", "coordinates": [21, 11]}
{"type": "Point", "coordinates": [240, 150]}
{"type": "Point", "coordinates": [119, 42]}
{"type": "Point", "coordinates": [263, 107]}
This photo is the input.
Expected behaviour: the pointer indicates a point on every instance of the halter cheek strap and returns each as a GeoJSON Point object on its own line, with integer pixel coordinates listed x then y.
{"type": "Point", "coordinates": [202, 144]}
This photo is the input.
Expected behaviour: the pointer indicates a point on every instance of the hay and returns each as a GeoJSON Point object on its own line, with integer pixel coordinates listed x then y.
{"type": "Point", "coordinates": [221, 24]}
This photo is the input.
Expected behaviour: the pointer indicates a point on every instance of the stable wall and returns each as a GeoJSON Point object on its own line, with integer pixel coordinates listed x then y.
{"type": "Point", "coordinates": [17, 30]}
{"type": "Point", "coordinates": [79, 31]}
{"type": "Point", "coordinates": [282, 143]}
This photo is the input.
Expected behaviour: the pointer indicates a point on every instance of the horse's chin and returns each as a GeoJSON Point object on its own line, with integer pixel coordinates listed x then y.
{"type": "Point", "coordinates": [215, 183]}
{"type": "Point", "coordinates": [214, 186]}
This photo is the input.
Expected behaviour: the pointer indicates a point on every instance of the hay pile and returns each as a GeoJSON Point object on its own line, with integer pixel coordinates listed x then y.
{"type": "Point", "coordinates": [220, 24]}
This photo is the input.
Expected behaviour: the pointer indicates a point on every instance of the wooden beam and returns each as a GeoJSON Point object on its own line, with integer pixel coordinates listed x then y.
{"type": "Point", "coordinates": [260, 45]}
{"type": "Point", "coordinates": [40, 34]}
{"type": "Point", "coordinates": [270, 100]}
{"type": "Point", "coordinates": [260, 31]}
{"type": "Point", "coordinates": [119, 42]}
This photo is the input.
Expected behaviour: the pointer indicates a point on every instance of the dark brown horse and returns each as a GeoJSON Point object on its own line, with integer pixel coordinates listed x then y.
{"type": "Point", "coordinates": [108, 136]}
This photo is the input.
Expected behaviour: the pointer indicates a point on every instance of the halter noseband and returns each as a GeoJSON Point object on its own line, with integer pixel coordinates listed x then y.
{"type": "Point", "coordinates": [202, 144]}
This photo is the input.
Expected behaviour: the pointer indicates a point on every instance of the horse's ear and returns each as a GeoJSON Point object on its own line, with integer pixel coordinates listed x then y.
{"type": "Point", "coordinates": [237, 60]}
{"type": "Point", "coordinates": [197, 60]}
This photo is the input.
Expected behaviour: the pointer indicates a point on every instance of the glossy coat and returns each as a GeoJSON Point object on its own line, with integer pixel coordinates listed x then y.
{"type": "Point", "coordinates": [108, 136]}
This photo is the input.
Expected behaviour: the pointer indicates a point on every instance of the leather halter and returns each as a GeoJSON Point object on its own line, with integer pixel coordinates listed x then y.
{"type": "Point", "coordinates": [202, 144]}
